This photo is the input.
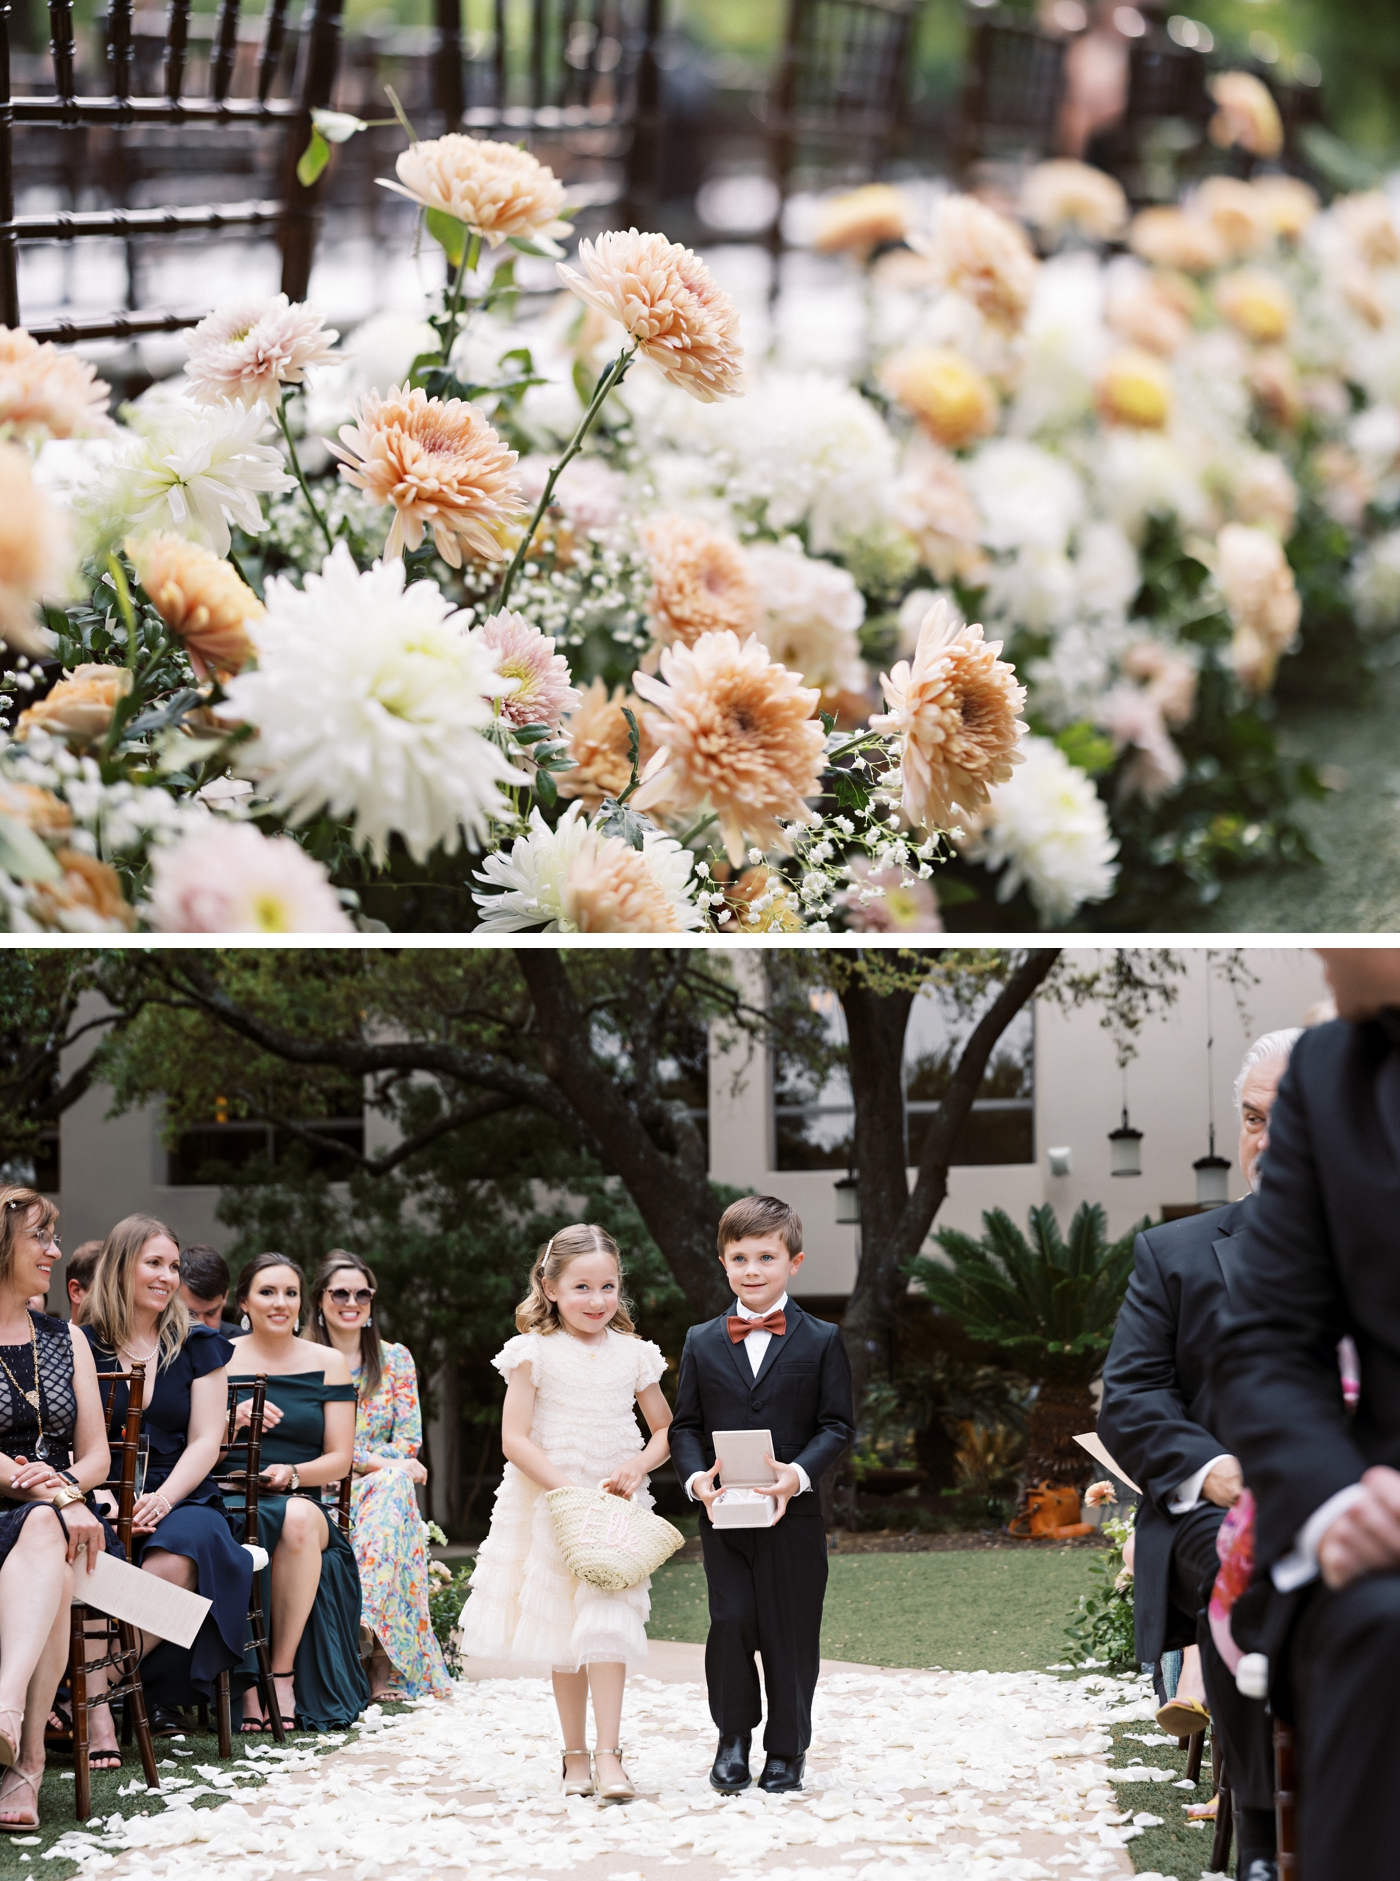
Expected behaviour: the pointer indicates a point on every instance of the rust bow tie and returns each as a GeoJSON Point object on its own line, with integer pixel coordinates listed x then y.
{"type": "Point", "coordinates": [775, 1322]}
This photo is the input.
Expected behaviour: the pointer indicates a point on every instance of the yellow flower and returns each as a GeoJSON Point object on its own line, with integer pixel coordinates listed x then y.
{"type": "Point", "coordinates": [951, 399]}
{"type": "Point", "coordinates": [200, 598]}
{"type": "Point", "coordinates": [497, 190]}
{"type": "Point", "coordinates": [79, 707]}
{"type": "Point", "coordinates": [1135, 388]}
{"type": "Point", "coordinates": [1256, 303]}
{"type": "Point", "coordinates": [861, 219]}
{"type": "Point", "coordinates": [670, 305]}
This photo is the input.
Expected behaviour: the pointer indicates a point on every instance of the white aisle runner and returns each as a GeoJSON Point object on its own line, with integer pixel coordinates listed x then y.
{"type": "Point", "coordinates": [946, 1776]}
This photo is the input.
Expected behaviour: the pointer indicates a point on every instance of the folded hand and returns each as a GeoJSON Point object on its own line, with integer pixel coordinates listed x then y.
{"type": "Point", "coordinates": [1366, 1537]}
{"type": "Point", "coordinates": [784, 1489]}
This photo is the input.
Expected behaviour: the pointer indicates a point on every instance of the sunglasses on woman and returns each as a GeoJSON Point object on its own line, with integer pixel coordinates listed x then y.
{"type": "Point", "coordinates": [342, 1296]}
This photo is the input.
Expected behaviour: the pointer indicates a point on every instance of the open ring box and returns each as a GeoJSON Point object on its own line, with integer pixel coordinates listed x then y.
{"type": "Point", "coordinates": [740, 1454]}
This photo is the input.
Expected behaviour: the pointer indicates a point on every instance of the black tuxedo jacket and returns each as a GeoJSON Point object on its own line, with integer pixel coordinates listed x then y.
{"type": "Point", "coordinates": [1320, 1263]}
{"type": "Point", "coordinates": [1159, 1416]}
{"type": "Point", "coordinates": [801, 1393]}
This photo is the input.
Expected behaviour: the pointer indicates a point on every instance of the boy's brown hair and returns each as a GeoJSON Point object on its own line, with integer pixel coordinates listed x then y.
{"type": "Point", "coordinates": [760, 1214]}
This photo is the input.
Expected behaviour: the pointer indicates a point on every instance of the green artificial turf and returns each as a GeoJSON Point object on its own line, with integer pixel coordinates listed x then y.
{"type": "Point", "coordinates": [998, 1610]}
{"type": "Point", "coordinates": [1176, 1847]}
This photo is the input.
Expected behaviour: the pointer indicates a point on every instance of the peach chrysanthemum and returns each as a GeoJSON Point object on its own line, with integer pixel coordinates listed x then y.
{"type": "Point", "coordinates": [1169, 238]}
{"type": "Point", "coordinates": [700, 582]}
{"type": "Point", "coordinates": [1245, 114]}
{"type": "Point", "coordinates": [48, 394]}
{"type": "Point", "coordinates": [612, 888]}
{"type": "Point", "coordinates": [86, 899]}
{"type": "Point", "coordinates": [934, 505]}
{"type": "Point", "coordinates": [984, 257]}
{"type": "Point", "coordinates": [1063, 193]}
{"type": "Point", "coordinates": [1134, 388]}
{"type": "Point", "coordinates": [250, 349]}
{"type": "Point", "coordinates": [80, 706]}
{"type": "Point", "coordinates": [954, 708]}
{"type": "Point", "coordinates": [1256, 303]}
{"type": "Point", "coordinates": [599, 738]}
{"type": "Point", "coordinates": [736, 729]}
{"type": "Point", "coordinates": [953, 402]}
{"type": "Point", "coordinates": [497, 190]}
{"type": "Point", "coordinates": [200, 598]}
{"type": "Point", "coordinates": [38, 809]}
{"type": "Point", "coordinates": [861, 219]}
{"type": "Point", "coordinates": [35, 554]}
{"type": "Point", "coordinates": [543, 693]}
{"type": "Point", "coordinates": [669, 303]}
{"type": "Point", "coordinates": [1274, 381]}
{"type": "Point", "coordinates": [439, 464]}
{"type": "Point", "coordinates": [1146, 312]}
{"type": "Point", "coordinates": [1261, 597]}
{"type": "Point", "coordinates": [1370, 227]}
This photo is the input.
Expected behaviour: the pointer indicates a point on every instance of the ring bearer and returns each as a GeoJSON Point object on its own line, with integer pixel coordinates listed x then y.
{"type": "Point", "coordinates": [767, 1366]}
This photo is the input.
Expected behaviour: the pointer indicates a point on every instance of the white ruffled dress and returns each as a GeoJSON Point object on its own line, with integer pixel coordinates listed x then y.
{"type": "Point", "coordinates": [524, 1603]}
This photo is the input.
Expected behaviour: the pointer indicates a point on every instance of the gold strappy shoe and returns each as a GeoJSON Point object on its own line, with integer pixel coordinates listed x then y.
{"type": "Point", "coordinates": [577, 1786]}
{"type": "Point", "coordinates": [622, 1792]}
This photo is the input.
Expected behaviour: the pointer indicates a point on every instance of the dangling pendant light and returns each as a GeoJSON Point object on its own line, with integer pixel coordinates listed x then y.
{"type": "Point", "coordinates": [1125, 1143]}
{"type": "Point", "coordinates": [1212, 1171]}
{"type": "Point", "coordinates": [848, 1201]}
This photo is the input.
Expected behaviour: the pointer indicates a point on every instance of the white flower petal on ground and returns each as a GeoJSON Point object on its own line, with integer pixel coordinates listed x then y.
{"type": "Point", "coordinates": [228, 878]}
{"type": "Point", "coordinates": [557, 880]}
{"type": "Point", "coordinates": [1047, 828]}
{"type": "Point", "coordinates": [369, 699]}
{"type": "Point", "coordinates": [191, 469]}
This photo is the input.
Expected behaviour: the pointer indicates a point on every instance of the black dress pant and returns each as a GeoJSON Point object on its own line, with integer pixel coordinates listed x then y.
{"type": "Point", "coordinates": [766, 1588]}
{"type": "Point", "coordinates": [1344, 1675]}
{"type": "Point", "coordinates": [1246, 1730]}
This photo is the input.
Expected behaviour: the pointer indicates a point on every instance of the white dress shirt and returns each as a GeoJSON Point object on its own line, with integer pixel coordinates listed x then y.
{"type": "Point", "coordinates": [755, 1345]}
{"type": "Point", "coordinates": [1188, 1494]}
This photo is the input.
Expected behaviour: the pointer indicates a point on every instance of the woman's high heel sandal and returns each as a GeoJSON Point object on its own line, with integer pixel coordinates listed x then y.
{"type": "Point", "coordinates": [11, 1725]}
{"type": "Point", "coordinates": [577, 1786]}
{"type": "Point", "coordinates": [622, 1792]}
{"type": "Point", "coordinates": [9, 1801]}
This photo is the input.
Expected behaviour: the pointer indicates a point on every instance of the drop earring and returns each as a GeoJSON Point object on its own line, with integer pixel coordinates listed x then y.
{"type": "Point", "coordinates": [245, 1324]}
{"type": "Point", "coordinates": [320, 1319]}
{"type": "Point", "coordinates": [370, 1320]}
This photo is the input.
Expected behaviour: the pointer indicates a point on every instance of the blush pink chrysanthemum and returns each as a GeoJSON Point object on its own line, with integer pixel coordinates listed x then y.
{"type": "Point", "coordinates": [954, 709]}
{"type": "Point", "coordinates": [228, 878]}
{"type": "Point", "coordinates": [700, 582]}
{"type": "Point", "coordinates": [985, 257]}
{"type": "Point", "coordinates": [35, 554]}
{"type": "Point", "coordinates": [250, 349]}
{"type": "Point", "coordinates": [496, 190]}
{"type": "Point", "coordinates": [543, 692]}
{"type": "Point", "coordinates": [737, 730]}
{"type": "Point", "coordinates": [48, 394]}
{"type": "Point", "coordinates": [669, 303]}
{"type": "Point", "coordinates": [441, 467]}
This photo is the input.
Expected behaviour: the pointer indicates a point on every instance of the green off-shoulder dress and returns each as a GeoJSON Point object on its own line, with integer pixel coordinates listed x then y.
{"type": "Point", "coordinates": [331, 1686]}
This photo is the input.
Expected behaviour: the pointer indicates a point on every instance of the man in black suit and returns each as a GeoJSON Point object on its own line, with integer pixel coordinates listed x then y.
{"type": "Point", "coordinates": [1321, 1267]}
{"type": "Point", "coordinates": [766, 1366]}
{"type": "Point", "coordinates": [1158, 1419]}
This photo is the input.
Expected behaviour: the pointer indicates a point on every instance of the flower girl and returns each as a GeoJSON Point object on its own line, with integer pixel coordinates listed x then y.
{"type": "Point", "coordinates": [573, 1373]}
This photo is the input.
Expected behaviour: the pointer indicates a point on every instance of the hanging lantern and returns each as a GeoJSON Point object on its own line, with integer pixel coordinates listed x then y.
{"type": "Point", "coordinates": [1125, 1148]}
{"type": "Point", "coordinates": [848, 1202]}
{"type": "Point", "coordinates": [1212, 1178]}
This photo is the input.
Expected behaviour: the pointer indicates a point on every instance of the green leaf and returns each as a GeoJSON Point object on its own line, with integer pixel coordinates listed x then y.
{"type": "Point", "coordinates": [546, 789]}
{"type": "Point", "coordinates": [1087, 747]}
{"type": "Point", "coordinates": [615, 819]}
{"type": "Point", "coordinates": [25, 856]}
{"type": "Point", "coordinates": [532, 734]}
{"type": "Point", "coordinates": [542, 245]}
{"type": "Point", "coordinates": [313, 160]}
{"type": "Point", "coordinates": [449, 232]}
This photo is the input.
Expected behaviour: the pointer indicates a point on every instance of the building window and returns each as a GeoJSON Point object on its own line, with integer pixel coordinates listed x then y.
{"type": "Point", "coordinates": [814, 1120]}
{"type": "Point", "coordinates": [212, 1153]}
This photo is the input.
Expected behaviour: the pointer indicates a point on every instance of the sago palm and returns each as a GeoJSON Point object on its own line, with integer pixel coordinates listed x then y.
{"type": "Point", "coordinates": [1050, 1302]}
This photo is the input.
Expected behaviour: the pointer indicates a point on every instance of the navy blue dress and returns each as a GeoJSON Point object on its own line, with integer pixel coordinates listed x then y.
{"type": "Point", "coordinates": [57, 1417]}
{"type": "Point", "coordinates": [197, 1527]}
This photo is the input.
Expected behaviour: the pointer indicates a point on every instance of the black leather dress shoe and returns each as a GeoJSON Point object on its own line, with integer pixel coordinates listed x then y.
{"type": "Point", "coordinates": [730, 1772]}
{"type": "Point", "coordinates": [782, 1773]}
{"type": "Point", "coordinates": [164, 1722]}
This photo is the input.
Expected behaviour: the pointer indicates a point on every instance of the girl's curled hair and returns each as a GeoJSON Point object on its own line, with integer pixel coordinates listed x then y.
{"type": "Point", "coordinates": [537, 1312]}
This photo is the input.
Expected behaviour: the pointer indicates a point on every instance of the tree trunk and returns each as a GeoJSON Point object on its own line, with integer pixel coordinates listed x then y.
{"type": "Point", "coordinates": [936, 1452]}
{"type": "Point", "coordinates": [1061, 1409]}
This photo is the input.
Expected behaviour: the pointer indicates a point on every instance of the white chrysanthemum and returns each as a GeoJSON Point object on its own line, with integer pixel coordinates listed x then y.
{"type": "Point", "coordinates": [1048, 828]}
{"type": "Point", "coordinates": [1034, 589]}
{"type": "Point", "coordinates": [812, 610]}
{"type": "Point", "coordinates": [805, 447]}
{"type": "Point", "coordinates": [534, 883]}
{"type": "Point", "coordinates": [1028, 498]}
{"type": "Point", "coordinates": [1142, 474]}
{"type": "Point", "coordinates": [1064, 344]}
{"type": "Point", "coordinates": [1375, 584]}
{"type": "Point", "coordinates": [190, 469]}
{"type": "Point", "coordinates": [1068, 683]}
{"type": "Point", "coordinates": [369, 700]}
{"type": "Point", "coordinates": [1106, 571]}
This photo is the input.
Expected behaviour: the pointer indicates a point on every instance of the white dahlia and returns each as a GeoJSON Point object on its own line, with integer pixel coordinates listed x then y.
{"type": "Point", "coordinates": [369, 699]}
{"type": "Point", "coordinates": [571, 880]}
{"type": "Point", "coordinates": [1046, 827]}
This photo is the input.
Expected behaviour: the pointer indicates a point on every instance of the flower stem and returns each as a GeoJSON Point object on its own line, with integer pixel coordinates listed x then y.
{"type": "Point", "coordinates": [471, 250]}
{"type": "Point", "coordinates": [300, 477]}
{"type": "Point", "coordinates": [689, 837]}
{"type": "Point", "coordinates": [613, 376]}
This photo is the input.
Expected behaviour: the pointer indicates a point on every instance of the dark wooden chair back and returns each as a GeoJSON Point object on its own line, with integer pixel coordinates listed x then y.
{"type": "Point", "coordinates": [123, 102]}
{"type": "Point", "coordinates": [839, 94]}
{"type": "Point", "coordinates": [1013, 88]}
{"type": "Point", "coordinates": [1286, 1801]}
{"type": "Point", "coordinates": [239, 1464]}
{"type": "Point", "coordinates": [124, 1439]}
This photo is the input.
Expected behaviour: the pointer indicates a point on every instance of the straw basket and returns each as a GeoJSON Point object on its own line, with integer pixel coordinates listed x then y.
{"type": "Point", "coordinates": [609, 1541]}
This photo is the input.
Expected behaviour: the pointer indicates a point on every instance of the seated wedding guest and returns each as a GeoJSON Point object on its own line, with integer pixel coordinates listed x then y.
{"type": "Point", "coordinates": [77, 1275]}
{"type": "Point", "coordinates": [311, 1590]}
{"type": "Point", "coordinates": [53, 1447]}
{"type": "Point", "coordinates": [1158, 1419]}
{"type": "Point", "coordinates": [388, 1530]}
{"type": "Point", "coordinates": [204, 1284]}
{"type": "Point", "coordinates": [1319, 1267]}
{"type": "Point", "coordinates": [180, 1532]}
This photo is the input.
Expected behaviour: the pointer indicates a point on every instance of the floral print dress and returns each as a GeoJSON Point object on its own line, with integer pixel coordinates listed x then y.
{"type": "Point", "coordinates": [387, 1530]}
